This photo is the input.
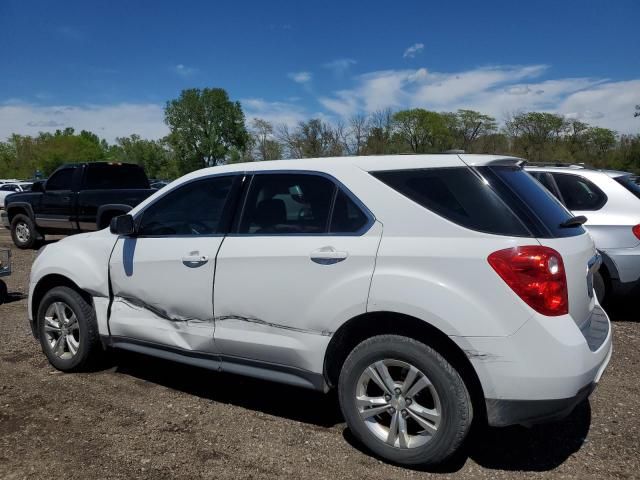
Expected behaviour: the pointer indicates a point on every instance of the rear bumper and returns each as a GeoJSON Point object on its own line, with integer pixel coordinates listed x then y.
{"type": "Point", "coordinates": [627, 263]}
{"type": "Point", "coordinates": [542, 371]}
{"type": "Point", "coordinates": [4, 219]}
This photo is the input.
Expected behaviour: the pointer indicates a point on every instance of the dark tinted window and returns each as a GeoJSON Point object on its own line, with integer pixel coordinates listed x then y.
{"type": "Point", "coordinates": [26, 188]}
{"type": "Point", "coordinates": [193, 209]}
{"type": "Point", "coordinates": [545, 179]}
{"type": "Point", "coordinates": [61, 180]}
{"type": "Point", "coordinates": [459, 195]}
{"type": "Point", "coordinates": [347, 216]}
{"type": "Point", "coordinates": [9, 188]}
{"type": "Point", "coordinates": [579, 193]}
{"type": "Point", "coordinates": [287, 203]}
{"type": "Point", "coordinates": [630, 183]}
{"type": "Point", "coordinates": [536, 206]}
{"type": "Point", "coordinates": [110, 176]}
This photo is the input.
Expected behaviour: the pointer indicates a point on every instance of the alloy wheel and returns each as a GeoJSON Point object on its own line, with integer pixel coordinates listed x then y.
{"type": "Point", "coordinates": [62, 330]}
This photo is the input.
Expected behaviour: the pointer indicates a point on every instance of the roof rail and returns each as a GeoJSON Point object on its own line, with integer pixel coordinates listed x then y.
{"type": "Point", "coordinates": [558, 164]}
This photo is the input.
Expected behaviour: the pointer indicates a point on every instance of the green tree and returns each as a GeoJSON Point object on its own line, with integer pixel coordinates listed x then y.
{"type": "Point", "coordinates": [264, 144]}
{"type": "Point", "coordinates": [154, 156]}
{"type": "Point", "coordinates": [206, 126]}
{"type": "Point", "coordinates": [423, 131]}
{"type": "Point", "coordinates": [311, 139]}
{"type": "Point", "coordinates": [602, 139]}
{"type": "Point", "coordinates": [536, 133]}
{"type": "Point", "coordinates": [470, 125]}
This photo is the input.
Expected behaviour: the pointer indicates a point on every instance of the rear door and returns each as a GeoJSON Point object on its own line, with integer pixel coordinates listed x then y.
{"type": "Point", "coordinates": [301, 258]}
{"type": "Point", "coordinates": [162, 278]}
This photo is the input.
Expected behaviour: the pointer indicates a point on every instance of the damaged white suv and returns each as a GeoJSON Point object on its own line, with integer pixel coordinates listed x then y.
{"type": "Point", "coordinates": [427, 289]}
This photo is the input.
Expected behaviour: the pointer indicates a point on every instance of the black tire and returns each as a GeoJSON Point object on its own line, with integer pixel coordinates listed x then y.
{"type": "Point", "coordinates": [89, 352]}
{"type": "Point", "coordinates": [24, 233]}
{"type": "Point", "coordinates": [4, 292]}
{"type": "Point", "coordinates": [455, 402]}
{"type": "Point", "coordinates": [601, 286]}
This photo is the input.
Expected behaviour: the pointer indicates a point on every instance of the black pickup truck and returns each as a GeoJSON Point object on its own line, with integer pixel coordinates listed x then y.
{"type": "Point", "coordinates": [76, 198]}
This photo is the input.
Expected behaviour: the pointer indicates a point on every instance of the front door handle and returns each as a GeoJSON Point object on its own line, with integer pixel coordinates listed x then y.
{"type": "Point", "coordinates": [327, 256]}
{"type": "Point", "coordinates": [194, 260]}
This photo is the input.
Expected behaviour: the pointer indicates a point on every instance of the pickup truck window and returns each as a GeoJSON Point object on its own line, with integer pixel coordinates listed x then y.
{"type": "Point", "coordinates": [105, 176]}
{"type": "Point", "coordinates": [192, 209]}
{"type": "Point", "coordinates": [61, 180]}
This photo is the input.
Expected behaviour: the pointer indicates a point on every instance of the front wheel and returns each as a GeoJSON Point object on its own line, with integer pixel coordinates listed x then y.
{"type": "Point", "coordinates": [68, 330]}
{"type": "Point", "coordinates": [23, 232]}
{"type": "Point", "coordinates": [404, 401]}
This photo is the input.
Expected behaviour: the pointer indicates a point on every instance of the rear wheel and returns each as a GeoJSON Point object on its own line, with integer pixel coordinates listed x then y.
{"type": "Point", "coordinates": [601, 286]}
{"type": "Point", "coordinates": [68, 330]}
{"type": "Point", "coordinates": [23, 232]}
{"type": "Point", "coordinates": [404, 401]}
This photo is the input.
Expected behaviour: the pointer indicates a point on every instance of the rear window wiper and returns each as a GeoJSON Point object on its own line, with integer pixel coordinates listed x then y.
{"type": "Point", "coordinates": [573, 222]}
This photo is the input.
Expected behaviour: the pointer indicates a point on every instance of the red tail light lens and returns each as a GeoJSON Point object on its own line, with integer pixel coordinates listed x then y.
{"type": "Point", "coordinates": [636, 231]}
{"type": "Point", "coordinates": [537, 275]}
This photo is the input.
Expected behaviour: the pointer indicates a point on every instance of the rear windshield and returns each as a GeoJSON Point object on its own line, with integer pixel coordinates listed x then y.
{"type": "Point", "coordinates": [115, 176]}
{"type": "Point", "coordinates": [630, 183]}
{"type": "Point", "coordinates": [499, 200]}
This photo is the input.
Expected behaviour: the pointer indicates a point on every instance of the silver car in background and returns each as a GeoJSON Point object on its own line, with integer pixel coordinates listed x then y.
{"type": "Point", "coordinates": [611, 202]}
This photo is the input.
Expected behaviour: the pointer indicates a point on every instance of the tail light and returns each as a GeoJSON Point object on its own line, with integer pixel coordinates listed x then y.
{"type": "Point", "coordinates": [636, 231]}
{"type": "Point", "coordinates": [537, 275]}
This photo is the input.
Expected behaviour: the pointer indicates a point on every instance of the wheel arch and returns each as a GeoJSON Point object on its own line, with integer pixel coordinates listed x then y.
{"type": "Point", "coordinates": [110, 211]}
{"type": "Point", "coordinates": [370, 324]}
{"type": "Point", "coordinates": [49, 282]}
{"type": "Point", "coordinates": [20, 208]}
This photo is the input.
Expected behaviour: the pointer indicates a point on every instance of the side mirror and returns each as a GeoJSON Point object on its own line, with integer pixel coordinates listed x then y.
{"type": "Point", "coordinates": [122, 225]}
{"type": "Point", "coordinates": [37, 187]}
{"type": "Point", "coordinates": [17, 189]}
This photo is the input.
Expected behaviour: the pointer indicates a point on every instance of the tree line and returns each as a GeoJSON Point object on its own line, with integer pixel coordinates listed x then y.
{"type": "Point", "coordinates": [207, 128]}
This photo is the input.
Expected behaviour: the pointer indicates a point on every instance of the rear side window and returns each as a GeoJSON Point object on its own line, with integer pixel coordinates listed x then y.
{"type": "Point", "coordinates": [630, 183]}
{"type": "Point", "coordinates": [536, 206]}
{"type": "Point", "coordinates": [347, 217]}
{"type": "Point", "coordinates": [287, 204]}
{"type": "Point", "coordinates": [112, 176]}
{"type": "Point", "coordinates": [579, 193]}
{"type": "Point", "coordinates": [61, 180]}
{"type": "Point", "coordinates": [459, 195]}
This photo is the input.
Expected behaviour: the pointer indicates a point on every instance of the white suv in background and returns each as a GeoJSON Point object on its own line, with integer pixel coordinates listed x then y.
{"type": "Point", "coordinates": [427, 289]}
{"type": "Point", "coordinates": [610, 201]}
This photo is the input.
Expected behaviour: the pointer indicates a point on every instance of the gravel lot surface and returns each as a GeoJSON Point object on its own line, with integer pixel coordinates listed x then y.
{"type": "Point", "coordinates": [144, 418]}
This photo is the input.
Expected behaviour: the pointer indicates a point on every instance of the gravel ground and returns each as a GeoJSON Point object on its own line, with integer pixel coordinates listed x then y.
{"type": "Point", "coordinates": [144, 418]}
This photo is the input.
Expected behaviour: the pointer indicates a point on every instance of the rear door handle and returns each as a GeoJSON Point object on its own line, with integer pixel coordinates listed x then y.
{"type": "Point", "coordinates": [194, 259]}
{"type": "Point", "coordinates": [327, 256]}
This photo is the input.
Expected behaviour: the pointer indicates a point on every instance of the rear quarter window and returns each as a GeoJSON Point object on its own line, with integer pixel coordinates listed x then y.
{"type": "Point", "coordinates": [630, 183]}
{"type": "Point", "coordinates": [459, 195]}
{"type": "Point", "coordinates": [115, 176]}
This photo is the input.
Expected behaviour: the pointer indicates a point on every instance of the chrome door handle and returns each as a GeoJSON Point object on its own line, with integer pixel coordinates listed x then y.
{"type": "Point", "coordinates": [194, 259]}
{"type": "Point", "coordinates": [327, 256]}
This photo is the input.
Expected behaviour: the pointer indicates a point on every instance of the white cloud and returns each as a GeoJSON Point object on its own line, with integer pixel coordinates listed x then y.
{"type": "Point", "coordinates": [184, 71]}
{"type": "Point", "coordinates": [300, 77]}
{"type": "Point", "coordinates": [413, 50]}
{"type": "Point", "coordinates": [106, 121]}
{"type": "Point", "coordinates": [276, 113]}
{"type": "Point", "coordinates": [340, 66]}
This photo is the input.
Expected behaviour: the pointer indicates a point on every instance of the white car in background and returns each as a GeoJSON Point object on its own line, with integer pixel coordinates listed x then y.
{"type": "Point", "coordinates": [8, 188]}
{"type": "Point", "coordinates": [422, 288]}
{"type": "Point", "coordinates": [610, 201]}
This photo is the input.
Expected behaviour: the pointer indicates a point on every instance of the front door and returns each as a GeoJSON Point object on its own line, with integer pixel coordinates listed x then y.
{"type": "Point", "coordinates": [56, 210]}
{"type": "Point", "coordinates": [299, 262]}
{"type": "Point", "coordinates": [162, 278]}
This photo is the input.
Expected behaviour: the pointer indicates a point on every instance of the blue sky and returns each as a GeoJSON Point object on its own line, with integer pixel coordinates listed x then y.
{"type": "Point", "coordinates": [110, 66]}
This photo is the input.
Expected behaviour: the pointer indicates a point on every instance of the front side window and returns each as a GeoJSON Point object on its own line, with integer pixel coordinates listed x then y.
{"type": "Point", "coordinates": [196, 208]}
{"type": "Point", "coordinates": [61, 180]}
{"type": "Point", "coordinates": [287, 204]}
{"type": "Point", "coordinates": [579, 193]}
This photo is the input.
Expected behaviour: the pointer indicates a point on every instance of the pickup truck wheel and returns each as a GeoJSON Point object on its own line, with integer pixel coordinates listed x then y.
{"type": "Point", "coordinates": [23, 232]}
{"type": "Point", "coordinates": [68, 330]}
{"type": "Point", "coordinates": [404, 401]}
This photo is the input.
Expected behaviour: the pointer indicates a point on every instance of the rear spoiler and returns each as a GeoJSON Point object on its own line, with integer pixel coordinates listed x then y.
{"type": "Point", "coordinates": [492, 161]}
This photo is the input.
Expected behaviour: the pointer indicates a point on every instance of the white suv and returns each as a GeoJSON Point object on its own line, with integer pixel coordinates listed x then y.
{"type": "Point", "coordinates": [610, 201]}
{"type": "Point", "coordinates": [427, 289]}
